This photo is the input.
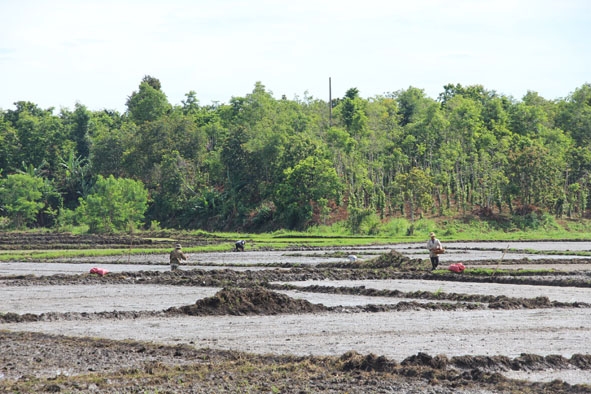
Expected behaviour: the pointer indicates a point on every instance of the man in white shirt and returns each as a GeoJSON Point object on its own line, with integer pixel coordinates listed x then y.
{"type": "Point", "coordinates": [433, 244]}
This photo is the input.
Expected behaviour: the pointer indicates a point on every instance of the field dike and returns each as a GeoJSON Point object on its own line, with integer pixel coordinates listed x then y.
{"type": "Point", "coordinates": [125, 366]}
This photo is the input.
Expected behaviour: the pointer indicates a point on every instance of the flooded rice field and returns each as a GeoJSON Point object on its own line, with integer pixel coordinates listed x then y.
{"type": "Point", "coordinates": [524, 255]}
{"type": "Point", "coordinates": [531, 329]}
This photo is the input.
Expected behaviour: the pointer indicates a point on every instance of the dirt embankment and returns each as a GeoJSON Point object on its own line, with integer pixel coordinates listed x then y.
{"type": "Point", "coordinates": [124, 367]}
{"type": "Point", "coordinates": [30, 241]}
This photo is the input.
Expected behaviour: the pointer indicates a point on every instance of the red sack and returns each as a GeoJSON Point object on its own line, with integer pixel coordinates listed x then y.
{"type": "Point", "coordinates": [98, 271]}
{"type": "Point", "coordinates": [457, 267]}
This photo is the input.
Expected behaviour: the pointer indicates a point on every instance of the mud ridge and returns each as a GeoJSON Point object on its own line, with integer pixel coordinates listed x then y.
{"type": "Point", "coordinates": [34, 362]}
{"type": "Point", "coordinates": [209, 308]}
{"type": "Point", "coordinates": [262, 301]}
{"type": "Point", "coordinates": [53, 241]}
{"type": "Point", "coordinates": [251, 301]}
{"type": "Point", "coordinates": [228, 277]}
{"type": "Point", "coordinates": [392, 259]}
{"type": "Point", "coordinates": [496, 302]}
{"type": "Point", "coordinates": [481, 369]}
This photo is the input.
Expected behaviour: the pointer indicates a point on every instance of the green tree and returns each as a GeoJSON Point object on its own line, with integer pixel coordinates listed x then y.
{"type": "Point", "coordinates": [77, 123]}
{"type": "Point", "coordinates": [191, 104]}
{"type": "Point", "coordinates": [112, 139]}
{"type": "Point", "coordinates": [311, 182]}
{"type": "Point", "coordinates": [113, 205]}
{"type": "Point", "coordinates": [256, 149]}
{"type": "Point", "coordinates": [176, 184]}
{"type": "Point", "coordinates": [579, 173]}
{"type": "Point", "coordinates": [21, 198]}
{"type": "Point", "coordinates": [41, 136]}
{"type": "Point", "coordinates": [9, 146]}
{"type": "Point", "coordinates": [352, 111]}
{"type": "Point", "coordinates": [148, 103]}
{"type": "Point", "coordinates": [528, 119]}
{"type": "Point", "coordinates": [411, 102]}
{"type": "Point", "coordinates": [414, 188]}
{"type": "Point", "coordinates": [153, 140]}
{"type": "Point", "coordinates": [475, 93]}
{"type": "Point", "coordinates": [535, 175]}
{"type": "Point", "coordinates": [74, 180]}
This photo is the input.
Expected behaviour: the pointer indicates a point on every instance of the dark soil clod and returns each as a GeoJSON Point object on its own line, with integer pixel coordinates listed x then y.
{"type": "Point", "coordinates": [250, 301]}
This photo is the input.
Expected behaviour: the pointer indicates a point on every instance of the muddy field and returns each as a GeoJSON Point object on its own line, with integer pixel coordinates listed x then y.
{"type": "Point", "coordinates": [296, 321]}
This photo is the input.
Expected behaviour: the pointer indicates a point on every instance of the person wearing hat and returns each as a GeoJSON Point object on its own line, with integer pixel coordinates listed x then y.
{"type": "Point", "coordinates": [176, 256]}
{"type": "Point", "coordinates": [239, 245]}
{"type": "Point", "coordinates": [434, 245]}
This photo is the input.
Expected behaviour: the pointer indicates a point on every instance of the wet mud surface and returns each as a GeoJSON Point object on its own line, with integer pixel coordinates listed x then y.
{"type": "Point", "coordinates": [297, 321]}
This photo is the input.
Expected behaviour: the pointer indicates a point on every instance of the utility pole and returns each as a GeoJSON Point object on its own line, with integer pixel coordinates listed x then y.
{"type": "Point", "coordinates": [329, 103]}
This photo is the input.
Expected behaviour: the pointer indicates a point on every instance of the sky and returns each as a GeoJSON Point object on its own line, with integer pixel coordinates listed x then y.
{"type": "Point", "coordinates": [96, 52]}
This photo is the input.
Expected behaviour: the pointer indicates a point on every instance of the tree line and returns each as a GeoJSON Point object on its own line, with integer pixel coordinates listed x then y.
{"type": "Point", "coordinates": [258, 163]}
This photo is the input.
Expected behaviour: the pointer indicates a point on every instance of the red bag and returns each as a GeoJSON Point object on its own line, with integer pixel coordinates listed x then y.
{"type": "Point", "coordinates": [457, 267]}
{"type": "Point", "coordinates": [98, 271]}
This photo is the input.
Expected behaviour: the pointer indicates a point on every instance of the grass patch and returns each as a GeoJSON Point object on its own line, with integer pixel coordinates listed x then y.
{"type": "Point", "coordinates": [396, 231]}
{"type": "Point", "coordinates": [558, 252]}
{"type": "Point", "coordinates": [493, 271]}
{"type": "Point", "coordinates": [404, 231]}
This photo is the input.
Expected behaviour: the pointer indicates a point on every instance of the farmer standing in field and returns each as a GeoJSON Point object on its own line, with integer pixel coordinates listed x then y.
{"type": "Point", "coordinates": [176, 256]}
{"type": "Point", "coordinates": [434, 246]}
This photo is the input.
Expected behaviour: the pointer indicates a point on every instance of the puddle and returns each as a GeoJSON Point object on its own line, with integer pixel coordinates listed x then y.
{"type": "Point", "coordinates": [98, 298]}
{"type": "Point", "coordinates": [331, 300]}
{"type": "Point", "coordinates": [44, 269]}
{"type": "Point", "coordinates": [570, 376]}
{"type": "Point", "coordinates": [562, 294]}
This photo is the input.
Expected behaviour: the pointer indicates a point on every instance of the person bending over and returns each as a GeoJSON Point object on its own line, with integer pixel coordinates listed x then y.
{"type": "Point", "coordinates": [240, 246]}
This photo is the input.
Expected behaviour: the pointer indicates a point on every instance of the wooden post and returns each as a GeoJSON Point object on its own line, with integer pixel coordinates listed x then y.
{"type": "Point", "coordinates": [329, 103]}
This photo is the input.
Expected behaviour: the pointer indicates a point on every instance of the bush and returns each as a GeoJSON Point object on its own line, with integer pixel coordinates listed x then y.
{"type": "Point", "coordinates": [261, 216]}
{"type": "Point", "coordinates": [20, 196]}
{"type": "Point", "coordinates": [4, 222]}
{"type": "Point", "coordinates": [363, 221]}
{"type": "Point", "coordinates": [424, 226]}
{"type": "Point", "coordinates": [114, 205]}
{"type": "Point", "coordinates": [396, 227]}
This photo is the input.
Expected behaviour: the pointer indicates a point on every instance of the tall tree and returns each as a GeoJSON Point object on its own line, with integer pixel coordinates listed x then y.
{"type": "Point", "coordinates": [21, 198]}
{"type": "Point", "coordinates": [9, 146]}
{"type": "Point", "coordinates": [574, 115]}
{"type": "Point", "coordinates": [41, 136]}
{"type": "Point", "coordinates": [311, 180]}
{"type": "Point", "coordinates": [114, 205]}
{"type": "Point", "coordinates": [414, 189]}
{"type": "Point", "coordinates": [148, 103]}
{"type": "Point", "coordinates": [410, 103]}
{"type": "Point", "coordinates": [78, 125]}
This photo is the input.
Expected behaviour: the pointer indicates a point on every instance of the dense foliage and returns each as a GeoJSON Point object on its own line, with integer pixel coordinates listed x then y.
{"type": "Point", "coordinates": [260, 163]}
